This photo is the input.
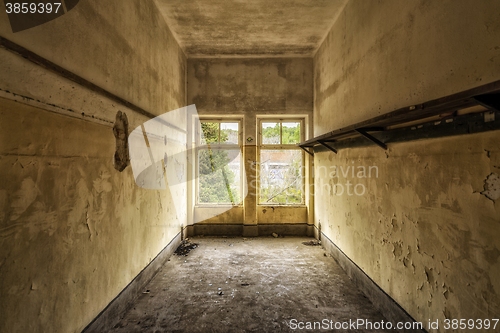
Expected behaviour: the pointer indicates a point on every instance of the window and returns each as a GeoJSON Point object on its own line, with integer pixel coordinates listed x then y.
{"type": "Point", "coordinates": [281, 163]}
{"type": "Point", "coordinates": [219, 162]}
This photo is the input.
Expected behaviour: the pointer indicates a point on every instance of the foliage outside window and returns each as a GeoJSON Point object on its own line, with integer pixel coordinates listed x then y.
{"type": "Point", "coordinates": [219, 163]}
{"type": "Point", "coordinates": [281, 163]}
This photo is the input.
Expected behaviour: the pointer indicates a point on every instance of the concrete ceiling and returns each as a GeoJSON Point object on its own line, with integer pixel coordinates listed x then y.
{"type": "Point", "coordinates": [206, 28]}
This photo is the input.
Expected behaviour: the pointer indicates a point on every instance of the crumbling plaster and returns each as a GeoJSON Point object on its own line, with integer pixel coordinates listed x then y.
{"type": "Point", "coordinates": [422, 231]}
{"type": "Point", "coordinates": [73, 230]}
{"type": "Point", "coordinates": [384, 55]}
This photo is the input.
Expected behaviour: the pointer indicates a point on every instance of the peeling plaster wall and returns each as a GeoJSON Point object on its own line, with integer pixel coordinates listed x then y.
{"type": "Point", "coordinates": [73, 230]}
{"type": "Point", "coordinates": [421, 230]}
{"type": "Point", "coordinates": [123, 47]}
{"type": "Point", "coordinates": [249, 88]}
{"type": "Point", "coordinates": [384, 55]}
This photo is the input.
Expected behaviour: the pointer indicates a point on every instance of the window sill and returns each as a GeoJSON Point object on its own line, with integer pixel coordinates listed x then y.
{"type": "Point", "coordinates": [283, 205]}
{"type": "Point", "coordinates": [215, 205]}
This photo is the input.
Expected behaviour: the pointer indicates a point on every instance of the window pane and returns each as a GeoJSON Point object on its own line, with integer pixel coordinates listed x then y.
{"type": "Point", "coordinates": [219, 176]}
{"type": "Point", "coordinates": [290, 133]}
{"type": "Point", "coordinates": [229, 133]}
{"type": "Point", "coordinates": [209, 133]}
{"type": "Point", "coordinates": [281, 179]}
{"type": "Point", "coordinates": [271, 133]}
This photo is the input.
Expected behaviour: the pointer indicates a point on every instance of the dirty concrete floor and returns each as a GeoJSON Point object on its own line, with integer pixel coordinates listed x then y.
{"type": "Point", "coordinates": [247, 285]}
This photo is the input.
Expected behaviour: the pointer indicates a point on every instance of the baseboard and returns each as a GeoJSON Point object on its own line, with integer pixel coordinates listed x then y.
{"type": "Point", "coordinates": [263, 230]}
{"type": "Point", "coordinates": [283, 229]}
{"type": "Point", "coordinates": [110, 316]}
{"type": "Point", "coordinates": [250, 230]}
{"type": "Point", "coordinates": [216, 230]}
{"type": "Point", "coordinates": [382, 301]}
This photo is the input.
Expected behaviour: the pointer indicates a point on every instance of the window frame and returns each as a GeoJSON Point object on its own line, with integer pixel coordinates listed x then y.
{"type": "Point", "coordinates": [292, 146]}
{"type": "Point", "coordinates": [218, 146]}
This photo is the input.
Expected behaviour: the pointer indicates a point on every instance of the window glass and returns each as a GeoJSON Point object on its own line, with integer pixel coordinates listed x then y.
{"type": "Point", "coordinates": [219, 176]}
{"type": "Point", "coordinates": [271, 133]}
{"type": "Point", "coordinates": [281, 179]}
{"type": "Point", "coordinates": [209, 133]}
{"type": "Point", "coordinates": [229, 133]}
{"type": "Point", "coordinates": [290, 133]}
{"type": "Point", "coordinates": [219, 163]}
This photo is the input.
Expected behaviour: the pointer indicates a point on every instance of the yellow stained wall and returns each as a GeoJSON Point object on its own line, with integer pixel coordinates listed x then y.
{"type": "Point", "coordinates": [250, 88]}
{"type": "Point", "coordinates": [73, 230]}
{"type": "Point", "coordinates": [422, 230]}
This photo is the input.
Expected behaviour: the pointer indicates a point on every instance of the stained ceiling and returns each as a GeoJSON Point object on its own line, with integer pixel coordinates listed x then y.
{"type": "Point", "coordinates": [207, 28]}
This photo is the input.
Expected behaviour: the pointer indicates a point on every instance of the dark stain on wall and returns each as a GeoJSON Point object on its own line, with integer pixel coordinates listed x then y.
{"type": "Point", "coordinates": [492, 186]}
{"type": "Point", "coordinates": [120, 130]}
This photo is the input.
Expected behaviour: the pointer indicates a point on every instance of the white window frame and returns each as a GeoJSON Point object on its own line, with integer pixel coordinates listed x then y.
{"type": "Point", "coordinates": [224, 146]}
{"type": "Point", "coordinates": [281, 146]}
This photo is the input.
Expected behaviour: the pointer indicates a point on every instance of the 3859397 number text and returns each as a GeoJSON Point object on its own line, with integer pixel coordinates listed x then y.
{"type": "Point", "coordinates": [32, 8]}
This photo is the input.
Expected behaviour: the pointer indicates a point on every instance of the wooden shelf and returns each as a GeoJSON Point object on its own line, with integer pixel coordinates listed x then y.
{"type": "Point", "coordinates": [485, 99]}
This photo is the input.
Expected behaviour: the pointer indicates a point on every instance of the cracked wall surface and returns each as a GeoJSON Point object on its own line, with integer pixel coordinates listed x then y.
{"type": "Point", "coordinates": [73, 230]}
{"type": "Point", "coordinates": [424, 230]}
{"type": "Point", "coordinates": [492, 187]}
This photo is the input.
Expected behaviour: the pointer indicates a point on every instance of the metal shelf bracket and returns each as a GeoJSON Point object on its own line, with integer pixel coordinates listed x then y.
{"type": "Point", "coordinates": [370, 137]}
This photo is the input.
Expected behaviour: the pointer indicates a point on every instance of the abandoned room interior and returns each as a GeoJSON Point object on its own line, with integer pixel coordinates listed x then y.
{"type": "Point", "coordinates": [245, 131]}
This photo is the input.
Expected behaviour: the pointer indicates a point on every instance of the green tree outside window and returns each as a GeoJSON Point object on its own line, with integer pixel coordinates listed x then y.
{"type": "Point", "coordinates": [218, 184]}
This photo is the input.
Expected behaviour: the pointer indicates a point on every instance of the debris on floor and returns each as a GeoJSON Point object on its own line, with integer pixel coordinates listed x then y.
{"type": "Point", "coordinates": [275, 235]}
{"type": "Point", "coordinates": [314, 242]}
{"type": "Point", "coordinates": [185, 247]}
{"type": "Point", "coordinates": [273, 282]}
